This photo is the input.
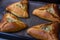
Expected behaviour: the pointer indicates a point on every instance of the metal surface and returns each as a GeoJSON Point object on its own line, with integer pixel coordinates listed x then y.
{"type": "Point", "coordinates": [33, 20]}
{"type": "Point", "coordinates": [51, 1]}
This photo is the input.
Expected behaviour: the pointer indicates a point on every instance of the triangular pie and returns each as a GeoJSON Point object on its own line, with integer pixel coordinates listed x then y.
{"type": "Point", "coordinates": [48, 12]}
{"type": "Point", "coordinates": [47, 31]}
{"type": "Point", "coordinates": [19, 9]}
{"type": "Point", "coordinates": [10, 23]}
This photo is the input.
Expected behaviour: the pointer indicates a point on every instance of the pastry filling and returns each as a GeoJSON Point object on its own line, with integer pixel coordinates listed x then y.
{"type": "Point", "coordinates": [47, 28]}
{"type": "Point", "coordinates": [51, 10]}
{"type": "Point", "coordinates": [10, 19]}
{"type": "Point", "coordinates": [21, 6]}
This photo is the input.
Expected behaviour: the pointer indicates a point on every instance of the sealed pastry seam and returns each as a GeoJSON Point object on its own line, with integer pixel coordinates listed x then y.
{"type": "Point", "coordinates": [47, 31]}
{"type": "Point", "coordinates": [20, 9]}
{"type": "Point", "coordinates": [10, 23]}
{"type": "Point", "coordinates": [48, 12]}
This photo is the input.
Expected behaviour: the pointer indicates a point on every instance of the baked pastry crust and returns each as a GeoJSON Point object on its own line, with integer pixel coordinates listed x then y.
{"type": "Point", "coordinates": [10, 23]}
{"type": "Point", "coordinates": [48, 12]}
{"type": "Point", "coordinates": [19, 9]}
{"type": "Point", "coordinates": [47, 31]}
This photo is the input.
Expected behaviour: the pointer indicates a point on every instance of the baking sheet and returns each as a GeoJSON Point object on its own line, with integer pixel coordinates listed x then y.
{"type": "Point", "coordinates": [31, 21]}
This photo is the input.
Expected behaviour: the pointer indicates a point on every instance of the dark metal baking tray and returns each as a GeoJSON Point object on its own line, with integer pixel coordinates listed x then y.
{"type": "Point", "coordinates": [33, 20]}
{"type": "Point", "coordinates": [51, 1]}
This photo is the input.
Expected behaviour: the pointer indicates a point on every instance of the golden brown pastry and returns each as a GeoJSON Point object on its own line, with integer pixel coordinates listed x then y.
{"type": "Point", "coordinates": [47, 31]}
{"type": "Point", "coordinates": [10, 23]}
{"type": "Point", "coordinates": [19, 9]}
{"type": "Point", "coordinates": [48, 12]}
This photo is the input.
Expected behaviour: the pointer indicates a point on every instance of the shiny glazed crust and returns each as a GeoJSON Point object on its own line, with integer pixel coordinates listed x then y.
{"type": "Point", "coordinates": [48, 12]}
{"type": "Point", "coordinates": [10, 23]}
{"type": "Point", "coordinates": [19, 9]}
{"type": "Point", "coordinates": [40, 32]}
